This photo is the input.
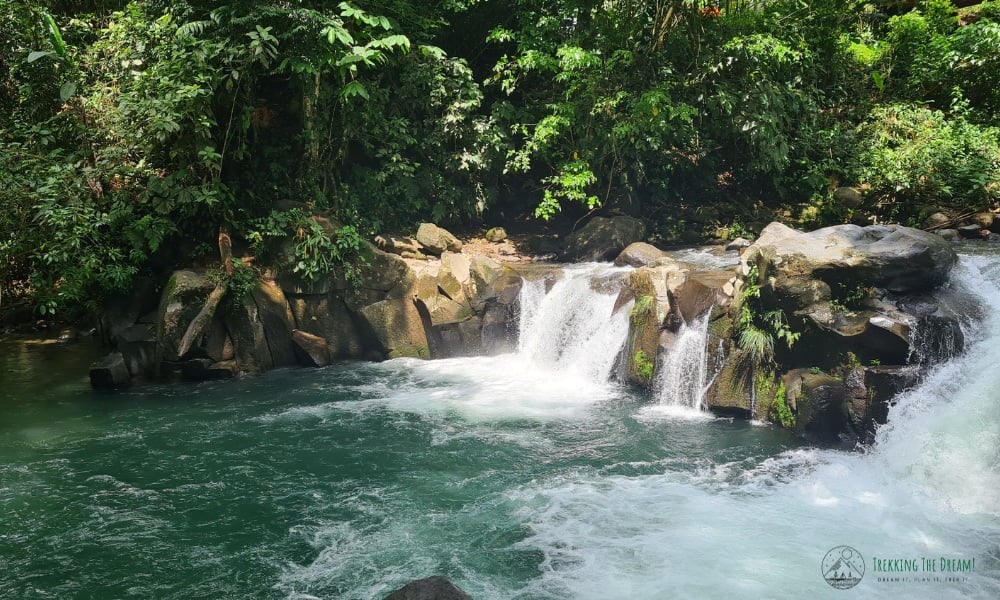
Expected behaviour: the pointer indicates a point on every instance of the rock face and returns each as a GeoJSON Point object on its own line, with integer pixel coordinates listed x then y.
{"type": "Point", "coordinates": [437, 240]}
{"type": "Point", "coordinates": [459, 305]}
{"type": "Point", "coordinates": [603, 238]}
{"type": "Point", "coordinates": [852, 301]}
{"type": "Point", "coordinates": [899, 259]}
{"type": "Point", "coordinates": [430, 588]}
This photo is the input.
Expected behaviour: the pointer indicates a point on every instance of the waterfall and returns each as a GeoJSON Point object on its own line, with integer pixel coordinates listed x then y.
{"type": "Point", "coordinates": [683, 376]}
{"type": "Point", "coordinates": [573, 326]}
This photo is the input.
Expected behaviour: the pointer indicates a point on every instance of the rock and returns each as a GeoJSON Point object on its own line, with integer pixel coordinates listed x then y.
{"type": "Point", "coordinates": [950, 235]}
{"type": "Point", "coordinates": [603, 238]}
{"type": "Point", "coordinates": [738, 244]}
{"type": "Point", "coordinates": [463, 338]}
{"type": "Point", "coordinates": [820, 405]}
{"type": "Point", "coordinates": [327, 317]}
{"type": "Point", "coordinates": [137, 345]}
{"type": "Point", "coordinates": [120, 312]}
{"type": "Point", "coordinates": [182, 300]}
{"type": "Point", "coordinates": [399, 245]}
{"type": "Point", "coordinates": [485, 281]}
{"type": "Point", "coordinates": [249, 339]}
{"type": "Point", "coordinates": [984, 220]}
{"type": "Point", "coordinates": [848, 196]}
{"type": "Point", "coordinates": [68, 335]}
{"type": "Point", "coordinates": [496, 235]}
{"type": "Point", "coordinates": [395, 328]}
{"type": "Point", "coordinates": [639, 254]}
{"type": "Point", "coordinates": [970, 231]}
{"type": "Point", "coordinates": [800, 268]}
{"type": "Point", "coordinates": [277, 322]}
{"type": "Point", "coordinates": [936, 220]}
{"type": "Point", "coordinates": [311, 349]}
{"type": "Point", "coordinates": [110, 373]}
{"type": "Point", "coordinates": [204, 369]}
{"type": "Point", "coordinates": [437, 240]}
{"type": "Point", "coordinates": [431, 588]}
{"type": "Point", "coordinates": [454, 277]}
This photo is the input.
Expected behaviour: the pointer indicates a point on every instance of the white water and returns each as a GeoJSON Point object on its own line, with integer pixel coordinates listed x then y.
{"type": "Point", "coordinates": [929, 488]}
{"type": "Point", "coordinates": [682, 375]}
{"type": "Point", "coordinates": [572, 328]}
{"type": "Point", "coordinates": [673, 517]}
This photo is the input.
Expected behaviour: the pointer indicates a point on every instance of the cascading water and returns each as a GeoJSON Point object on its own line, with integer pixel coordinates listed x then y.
{"type": "Point", "coordinates": [683, 374]}
{"type": "Point", "coordinates": [516, 476]}
{"type": "Point", "coordinates": [574, 327]}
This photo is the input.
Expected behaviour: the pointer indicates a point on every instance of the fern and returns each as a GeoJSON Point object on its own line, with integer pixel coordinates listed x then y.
{"type": "Point", "coordinates": [193, 28]}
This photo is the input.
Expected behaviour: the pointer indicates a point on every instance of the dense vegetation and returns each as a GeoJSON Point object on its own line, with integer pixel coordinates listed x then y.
{"type": "Point", "coordinates": [132, 133]}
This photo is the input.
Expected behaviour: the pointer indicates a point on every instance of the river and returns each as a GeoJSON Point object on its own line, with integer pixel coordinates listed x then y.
{"type": "Point", "coordinates": [523, 476]}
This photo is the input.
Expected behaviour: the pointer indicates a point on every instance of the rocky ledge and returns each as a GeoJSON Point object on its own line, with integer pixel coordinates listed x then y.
{"type": "Point", "coordinates": [816, 331]}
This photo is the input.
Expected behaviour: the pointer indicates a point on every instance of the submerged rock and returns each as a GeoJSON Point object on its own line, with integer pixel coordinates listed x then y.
{"type": "Point", "coordinates": [430, 588]}
{"type": "Point", "coordinates": [110, 373]}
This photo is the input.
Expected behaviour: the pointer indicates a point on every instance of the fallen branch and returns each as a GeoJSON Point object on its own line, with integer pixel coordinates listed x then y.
{"type": "Point", "coordinates": [203, 318]}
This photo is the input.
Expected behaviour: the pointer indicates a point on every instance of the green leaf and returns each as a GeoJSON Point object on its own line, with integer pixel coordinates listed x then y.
{"type": "Point", "coordinates": [39, 54]}
{"type": "Point", "coordinates": [355, 88]}
{"type": "Point", "coordinates": [67, 90]}
{"type": "Point", "coordinates": [55, 36]}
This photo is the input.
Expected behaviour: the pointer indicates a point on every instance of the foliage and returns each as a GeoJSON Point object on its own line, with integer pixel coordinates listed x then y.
{"type": "Point", "coordinates": [132, 130]}
{"type": "Point", "coordinates": [780, 408]}
{"type": "Point", "coordinates": [758, 329]}
{"type": "Point", "coordinates": [644, 367]}
{"type": "Point", "coordinates": [911, 156]}
{"type": "Point", "coordinates": [848, 298]}
{"type": "Point", "coordinates": [238, 285]}
{"type": "Point", "coordinates": [299, 241]}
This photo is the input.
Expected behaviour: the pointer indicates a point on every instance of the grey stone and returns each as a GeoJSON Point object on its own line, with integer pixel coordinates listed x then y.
{"type": "Point", "coordinates": [639, 254]}
{"type": "Point", "coordinates": [602, 239]}
{"type": "Point", "coordinates": [110, 373]}
{"type": "Point", "coordinates": [973, 231]}
{"type": "Point", "coordinates": [437, 240]}
{"type": "Point", "coordinates": [738, 244]}
{"type": "Point", "coordinates": [848, 196]}
{"type": "Point", "coordinates": [431, 588]}
{"type": "Point", "coordinates": [311, 349]}
{"type": "Point", "coordinates": [496, 234]}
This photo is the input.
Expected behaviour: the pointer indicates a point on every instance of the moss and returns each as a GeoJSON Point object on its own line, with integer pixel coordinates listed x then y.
{"type": "Point", "coordinates": [780, 405]}
{"type": "Point", "coordinates": [411, 352]}
{"type": "Point", "coordinates": [643, 307]}
{"type": "Point", "coordinates": [642, 366]}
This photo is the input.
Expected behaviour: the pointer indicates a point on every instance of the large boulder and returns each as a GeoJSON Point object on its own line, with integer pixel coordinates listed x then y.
{"type": "Point", "coordinates": [182, 299]}
{"type": "Point", "coordinates": [803, 267]}
{"type": "Point", "coordinates": [430, 588]}
{"type": "Point", "coordinates": [437, 240]}
{"type": "Point", "coordinates": [603, 238]}
{"type": "Point", "coordinates": [277, 322]}
{"type": "Point", "coordinates": [639, 254]}
{"type": "Point", "coordinates": [327, 317]}
{"type": "Point", "coordinates": [395, 329]}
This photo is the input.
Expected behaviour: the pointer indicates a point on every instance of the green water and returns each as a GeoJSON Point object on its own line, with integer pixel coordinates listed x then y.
{"type": "Point", "coordinates": [514, 477]}
{"type": "Point", "coordinates": [295, 482]}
